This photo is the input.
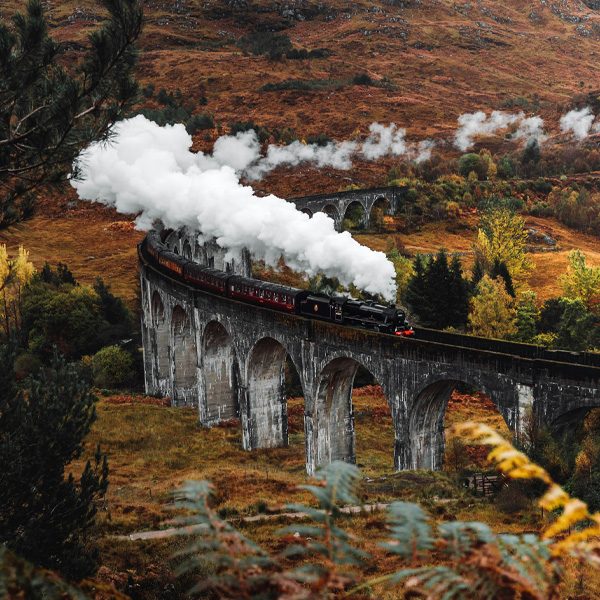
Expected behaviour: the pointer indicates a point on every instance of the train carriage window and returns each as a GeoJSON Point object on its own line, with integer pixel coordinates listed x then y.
{"type": "Point", "coordinates": [276, 297]}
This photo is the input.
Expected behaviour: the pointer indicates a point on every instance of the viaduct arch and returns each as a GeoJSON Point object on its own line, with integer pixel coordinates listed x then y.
{"type": "Point", "coordinates": [358, 206]}
{"type": "Point", "coordinates": [227, 359]}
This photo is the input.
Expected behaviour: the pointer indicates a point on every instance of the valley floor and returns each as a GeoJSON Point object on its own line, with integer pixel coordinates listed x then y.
{"type": "Point", "coordinates": [153, 449]}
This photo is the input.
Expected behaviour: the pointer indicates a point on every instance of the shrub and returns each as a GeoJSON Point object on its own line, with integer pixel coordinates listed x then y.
{"type": "Point", "coordinates": [26, 364]}
{"type": "Point", "coordinates": [321, 139]}
{"type": "Point", "coordinates": [362, 79]}
{"type": "Point", "coordinates": [148, 90]}
{"type": "Point", "coordinates": [296, 54]}
{"type": "Point", "coordinates": [472, 163]}
{"type": "Point", "coordinates": [274, 45]}
{"type": "Point", "coordinates": [303, 85]}
{"type": "Point", "coordinates": [112, 367]}
{"type": "Point", "coordinates": [199, 122]}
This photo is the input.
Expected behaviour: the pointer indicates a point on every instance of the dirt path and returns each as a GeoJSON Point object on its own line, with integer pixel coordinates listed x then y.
{"type": "Point", "coordinates": [160, 534]}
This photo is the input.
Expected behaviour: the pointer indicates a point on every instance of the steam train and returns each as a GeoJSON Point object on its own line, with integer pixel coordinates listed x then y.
{"type": "Point", "coordinates": [336, 309]}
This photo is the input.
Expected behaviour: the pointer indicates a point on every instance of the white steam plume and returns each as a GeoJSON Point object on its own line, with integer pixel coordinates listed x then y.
{"type": "Point", "coordinates": [472, 125]}
{"type": "Point", "coordinates": [531, 128]}
{"type": "Point", "coordinates": [383, 140]}
{"type": "Point", "coordinates": [579, 122]}
{"type": "Point", "coordinates": [478, 123]}
{"type": "Point", "coordinates": [424, 150]}
{"type": "Point", "coordinates": [149, 170]}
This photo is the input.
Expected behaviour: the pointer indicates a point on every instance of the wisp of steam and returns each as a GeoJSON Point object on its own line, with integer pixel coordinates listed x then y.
{"type": "Point", "coordinates": [243, 151]}
{"type": "Point", "coordinates": [578, 122]}
{"type": "Point", "coordinates": [149, 170]}
{"type": "Point", "coordinates": [472, 125]}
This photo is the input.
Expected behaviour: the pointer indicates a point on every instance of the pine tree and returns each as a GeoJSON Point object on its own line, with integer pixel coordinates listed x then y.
{"type": "Point", "coordinates": [477, 273]}
{"type": "Point", "coordinates": [44, 516]}
{"type": "Point", "coordinates": [49, 109]}
{"type": "Point", "coordinates": [459, 295]}
{"type": "Point", "coordinates": [499, 269]}
{"type": "Point", "coordinates": [438, 293]}
{"type": "Point", "coordinates": [438, 290]}
{"type": "Point", "coordinates": [416, 291]}
{"type": "Point", "coordinates": [527, 317]}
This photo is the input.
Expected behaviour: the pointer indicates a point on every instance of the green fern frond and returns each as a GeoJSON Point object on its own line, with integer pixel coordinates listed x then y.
{"type": "Point", "coordinates": [237, 562]}
{"type": "Point", "coordinates": [409, 528]}
{"type": "Point", "coordinates": [462, 537]}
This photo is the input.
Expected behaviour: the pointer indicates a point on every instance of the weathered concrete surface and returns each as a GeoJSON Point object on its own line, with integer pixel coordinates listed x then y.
{"type": "Point", "coordinates": [240, 352]}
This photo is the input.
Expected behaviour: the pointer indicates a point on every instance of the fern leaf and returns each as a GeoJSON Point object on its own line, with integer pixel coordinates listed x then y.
{"type": "Point", "coordinates": [410, 529]}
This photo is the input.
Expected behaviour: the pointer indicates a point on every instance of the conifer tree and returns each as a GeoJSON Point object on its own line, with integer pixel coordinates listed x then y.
{"type": "Point", "coordinates": [438, 292]}
{"type": "Point", "coordinates": [45, 516]}
{"type": "Point", "coordinates": [527, 317]}
{"type": "Point", "coordinates": [459, 294]}
{"type": "Point", "coordinates": [416, 296]}
{"type": "Point", "coordinates": [52, 103]}
{"type": "Point", "coordinates": [477, 273]}
{"type": "Point", "coordinates": [499, 269]}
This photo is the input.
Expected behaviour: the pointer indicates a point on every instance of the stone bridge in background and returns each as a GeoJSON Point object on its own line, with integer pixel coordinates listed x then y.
{"type": "Point", "coordinates": [228, 358]}
{"type": "Point", "coordinates": [356, 204]}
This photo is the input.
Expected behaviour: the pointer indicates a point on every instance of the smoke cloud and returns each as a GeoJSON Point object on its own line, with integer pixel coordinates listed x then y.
{"type": "Point", "coordinates": [383, 140]}
{"type": "Point", "coordinates": [578, 122]}
{"type": "Point", "coordinates": [149, 170]}
{"type": "Point", "coordinates": [472, 125]}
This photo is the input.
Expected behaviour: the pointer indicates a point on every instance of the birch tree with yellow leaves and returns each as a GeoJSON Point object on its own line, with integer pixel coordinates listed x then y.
{"type": "Point", "coordinates": [502, 237]}
{"type": "Point", "coordinates": [581, 282]}
{"type": "Point", "coordinates": [493, 312]}
{"type": "Point", "coordinates": [15, 273]}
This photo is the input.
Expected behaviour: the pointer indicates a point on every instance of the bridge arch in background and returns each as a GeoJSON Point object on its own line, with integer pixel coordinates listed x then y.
{"type": "Point", "coordinates": [334, 412]}
{"type": "Point", "coordinates": [185, 358]}
{"type": "Point", "coordinates": [266, 402]}
{"type": "Point", "coordinates": [380, 208]}
{"type": "Point", "coordinates": [355, 216]}
{"type": "Point", "coordinates": [220, 375]}
{"type": "Point", "coordinates": [332, 212]}
{"type": "Point", "coordinates": [160, 341]}
{"type": "Point", "coordinates": [426, 421]}
{"type": "Point", "coordinates": [307, 211]}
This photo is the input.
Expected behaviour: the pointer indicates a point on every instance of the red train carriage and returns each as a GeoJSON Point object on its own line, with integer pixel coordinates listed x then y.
{"type": "Point", "coordinates": [171, 261]}
{"type": "Point", "coordinates": [209, 279]}
{"type": "Point", "coordinates": [271, 295]}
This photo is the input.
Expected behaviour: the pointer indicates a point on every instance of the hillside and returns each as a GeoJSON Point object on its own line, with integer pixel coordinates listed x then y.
{"type": "Point", "coordinates": [433, 60]}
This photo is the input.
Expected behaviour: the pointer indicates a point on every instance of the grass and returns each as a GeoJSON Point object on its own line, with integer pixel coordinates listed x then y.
{"type": "Point", "coordinates": [92, 241]}
{"type": "Point", "coordinates": [154, 448]}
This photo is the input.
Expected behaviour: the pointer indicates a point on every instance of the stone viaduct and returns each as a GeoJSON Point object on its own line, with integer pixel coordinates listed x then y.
{"type": "Point", "coordinates": [227, 359]}
{"type": "Point", "coordinates": [357, 204]}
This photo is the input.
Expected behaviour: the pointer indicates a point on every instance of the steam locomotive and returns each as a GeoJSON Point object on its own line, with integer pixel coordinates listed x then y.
{"type": "Point", "coordinates": [337, 309]}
